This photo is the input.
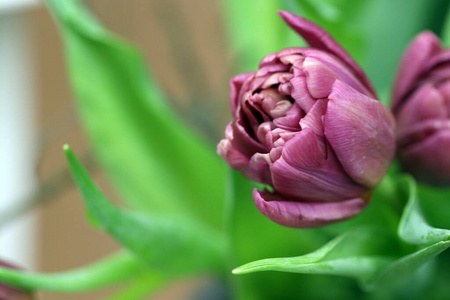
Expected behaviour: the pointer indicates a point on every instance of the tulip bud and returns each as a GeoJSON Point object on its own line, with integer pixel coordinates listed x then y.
{"type": "Point", "coordinates": [421, 105]}
{"type": "Point", "coordinates": [307, 124]}
{"type": "Point", "coordinates": [10, 293]}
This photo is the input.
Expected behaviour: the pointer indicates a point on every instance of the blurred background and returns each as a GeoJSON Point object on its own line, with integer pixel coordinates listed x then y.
{"type": "Point", "coordinates": [186, 44]}
{"type": "Point", "coordinates": [180, 39]}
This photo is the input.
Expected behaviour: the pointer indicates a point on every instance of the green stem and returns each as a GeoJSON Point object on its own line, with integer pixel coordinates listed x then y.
{"type": "Point", "coordinates": [111, 270]}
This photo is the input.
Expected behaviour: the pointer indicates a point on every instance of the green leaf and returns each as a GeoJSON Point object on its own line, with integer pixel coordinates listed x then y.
{"type": "Point", "coordinates": [435, 204]}
{"type": "Point", "coordinates": [354, 254]}
{"type": "Point", "coordinates": [403, 268]}
{"type": "Point", "coordinates": [413, 227]}
{"type": "Point", "coordinates": [170, 244]}
{"type": "Point", "coordinates": [111, 270]}
{"type": "Point", "coordinates": [156, 161]}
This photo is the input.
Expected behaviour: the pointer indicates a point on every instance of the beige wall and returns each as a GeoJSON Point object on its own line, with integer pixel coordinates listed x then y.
{"type": "Point", "coordinates": [184, 43]}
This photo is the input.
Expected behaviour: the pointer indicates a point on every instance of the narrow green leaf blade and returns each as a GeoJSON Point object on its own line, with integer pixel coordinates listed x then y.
{"type": "Point", "coordinates": [403, 268]}
{"type": "Point", "coordinates": [108, 271]}
{"type": "Point", "coordinates": [174, 245]}
{"type": "Point", "coordinates": [155, 160]}
{"type": "Point", "coordinates": [359, 254]}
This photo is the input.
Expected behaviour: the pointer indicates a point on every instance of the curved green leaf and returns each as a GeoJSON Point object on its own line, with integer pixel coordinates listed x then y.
{"type": "Point", "coordinates": [154, 159]}
{"type": "Point", "coordinates": [356, 254]}
{"type": "Point", "coordinates": [413, 227]}
{"type": "Point", "coordinates": [403, 268]}
{"type": "Point", "coordinates": [111, 270]}
{"type": "Point", "coordinates": [173, 245]}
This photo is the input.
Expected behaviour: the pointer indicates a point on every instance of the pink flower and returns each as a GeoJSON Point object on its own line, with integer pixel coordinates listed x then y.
{"type": "Point", "coordinates": [421, 104]}
{"type": "Point", "coordinates": [307, 124]}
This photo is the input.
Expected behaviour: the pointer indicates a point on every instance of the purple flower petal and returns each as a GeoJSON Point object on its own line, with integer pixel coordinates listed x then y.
{"type": "Point", "coordinates": [313, 120]}
{"type": "Point", "coordinates": [443, 57]}
{"type": "Point", "coordinates": [419, 52]}
{"type": "Point", "coordinates": [361, 133]}
{"type": "Point", "coordinates": [259, 168]}
{"type": "Point", "coordinates": [340, 68]}
{"type": "Point", "coordinates": [241, 140]}
{"type": "Point", "coordinates": [319, 78]}
{"type": "Point", "coordinates": [300, 93]}
{"type": "Point", "coordinates": [425, 103]}
{"type": "Point", "coordinates": [416, 133]}
{"type": "Point", "coordinates": [235, 87]}
{"type": "Point", "coordinates": [305, 214]}
{"type": "Point", "coordinates": [291, 121]}
{"type": "Point", "coordinates": [303, 173]}
{"type": "Point", "coordinates": [444, 89]}
{"type": "Point", "coordinates": [429, 160]}
{"type": "Point", "coordinates": [232, 156]}
{"type": "Point", "coordinates": [318, 38]}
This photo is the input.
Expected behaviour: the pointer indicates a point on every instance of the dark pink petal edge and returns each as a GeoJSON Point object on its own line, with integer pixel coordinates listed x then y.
{"type": "Point", "coordinates": [428, 160]}
{"type": "Point", "coordinates": [318, 38]}
{"type": "Point", "coordinates": [421, 50]}
{"type": "Point", "coordinates": [305, 214]}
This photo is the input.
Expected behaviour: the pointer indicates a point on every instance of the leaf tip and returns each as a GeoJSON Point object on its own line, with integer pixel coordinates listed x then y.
{"type": "Point", "coordinates": [238, 271]}
{"type": "Point", "coordinates": [66, 148]}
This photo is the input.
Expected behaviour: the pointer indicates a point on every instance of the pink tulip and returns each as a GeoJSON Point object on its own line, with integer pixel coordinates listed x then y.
{"type": "Point", "coordinates": [421, 104]}
{"type": "Point", "coordinates": [307, 124]}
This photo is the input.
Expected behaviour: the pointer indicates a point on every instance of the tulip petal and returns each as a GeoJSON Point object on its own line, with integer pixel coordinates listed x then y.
{"type": "Point", "coordinates": [259, 168]}
{"type": "Point", "coordinates": [313, 119]}
{"type": "Point", "coordinates": [302, 172]}
{"type": "Point", "coordinates": [341, 69]}
{"type": "Point", "coordinates": [429, 160]}
{"type": "Point", "coordinates": [319, 77]}
{"type": "Point", "coordinates": [242, 141]}
{"type": "Point", "coordinates": [361, 132]}
{"type": "Point", "coordinates": [426, 103]}
{"type": "Point", "coordinates": [318, 38]}
{"type": "Point", "coordinates": [444, 89]}
{"type": "Point", "coordinates": [305, 214]}
{"type": "Point", "coordinates": [291, 121]}
{"type": "Point", "coordinates": [235, 86]}
{"type": "Point", "coordinates": [418, 132]}
{"type": "Point", "coordinates": [441, 58]}
{"type": "Point", "coordinates": [234, 158]}
{"type": "Point", "coordinates": [438, 75]}
{"type": "Point", "coordinates": [300, 93]}
{"type": "Point", "coordinates": [425, 46]}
